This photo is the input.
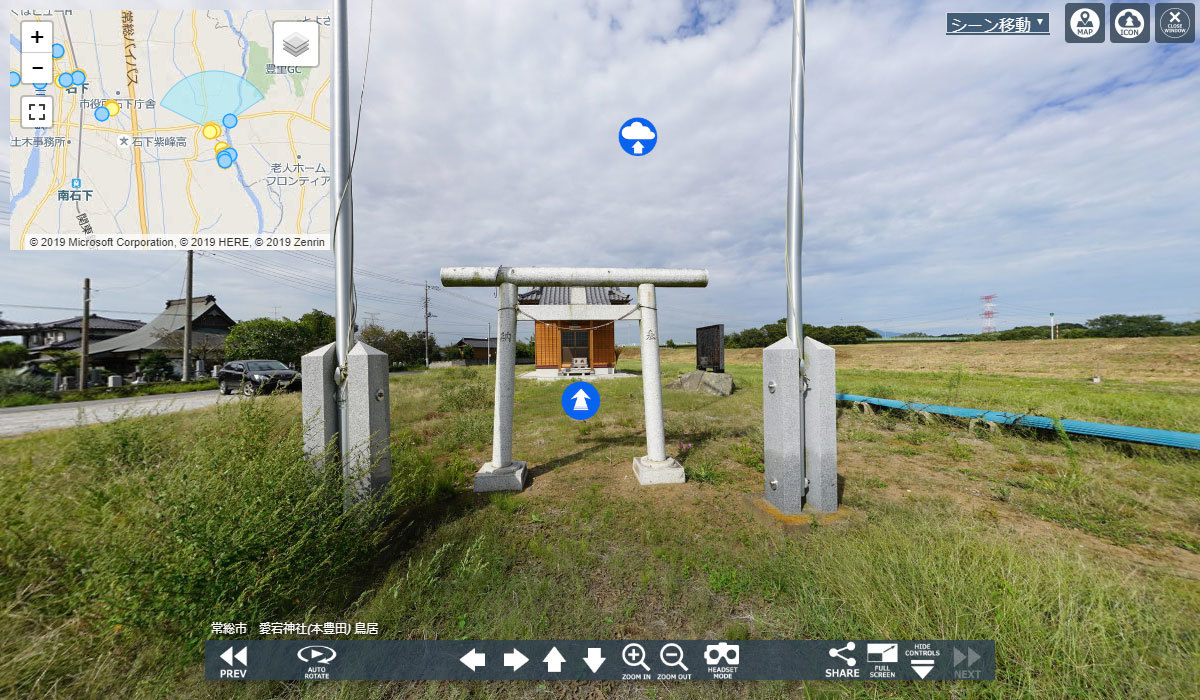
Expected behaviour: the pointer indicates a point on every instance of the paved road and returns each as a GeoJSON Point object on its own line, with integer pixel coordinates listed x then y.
{"type": "Point", "coordinates": [28, 419]}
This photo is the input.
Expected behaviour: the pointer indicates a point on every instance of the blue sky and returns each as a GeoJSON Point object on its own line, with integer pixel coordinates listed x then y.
{"type": "Point", "coordinates": [1061, 177]}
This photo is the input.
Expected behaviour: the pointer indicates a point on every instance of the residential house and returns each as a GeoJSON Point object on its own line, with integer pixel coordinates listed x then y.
{"type": "Point", "coordinates": [67, 333]}
{"type": "Point", "coordinates": [210, 326]}
{"type": "Point", "coordinates": [480, 348]}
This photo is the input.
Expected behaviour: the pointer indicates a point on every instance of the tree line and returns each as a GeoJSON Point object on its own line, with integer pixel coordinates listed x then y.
{"type": "Point", "coordinates": [772, 332]}
{"type": "Point", "coordinates": [1105, 326]}
{"type": "Point", "coordinates": [287, 340]}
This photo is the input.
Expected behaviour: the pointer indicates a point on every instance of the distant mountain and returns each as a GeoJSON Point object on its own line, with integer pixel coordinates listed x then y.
{"type": "Point", "coordinates": [889, 334]}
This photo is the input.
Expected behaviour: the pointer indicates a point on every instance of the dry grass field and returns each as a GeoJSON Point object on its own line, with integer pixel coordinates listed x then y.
{"type": "Point", "coordinates": [1168, 360]}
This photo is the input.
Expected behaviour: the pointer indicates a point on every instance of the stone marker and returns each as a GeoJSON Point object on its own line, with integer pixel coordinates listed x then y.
{"type": "Point", "coordinates": [715, 383]}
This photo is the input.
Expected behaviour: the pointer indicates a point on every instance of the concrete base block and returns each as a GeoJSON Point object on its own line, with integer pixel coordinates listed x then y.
{"type": "Point", "coordinates": [367, 401]}
{"type": "Point", "coordinates": [820, 428]}
{"type": "Point", "coordinates": [318, 404]}
{"type": "Point", "coordinates": [650, 472]}
{"type": "Point", "coordinates": [510, 478]}
{"type": "Point", "coordinates": [783, 440]}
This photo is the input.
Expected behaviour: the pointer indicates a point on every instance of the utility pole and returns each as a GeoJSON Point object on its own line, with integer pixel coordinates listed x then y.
{"type": "Point", "coordinates": [83, 331]}
{"type": "Point", "coordinates": [1053, 327]}
{"type": "Point", "coordinates": [488, 349]}
{"type": "Point", "coordinates": [187, 321]}
{"type": "Point", "coordinates": [427, 317]}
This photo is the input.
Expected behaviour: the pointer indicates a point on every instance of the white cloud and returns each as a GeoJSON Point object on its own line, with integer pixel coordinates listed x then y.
{"type": "Point", "coordinates": [637, 131]}
{"type": "Point", "coordinates": [1059, 176]}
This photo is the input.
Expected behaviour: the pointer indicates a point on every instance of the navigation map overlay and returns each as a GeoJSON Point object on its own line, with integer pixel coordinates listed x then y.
{"type": "Point", "coordinates": [630, 660]}
{"type": "Point", "coordinates": [168, 129]}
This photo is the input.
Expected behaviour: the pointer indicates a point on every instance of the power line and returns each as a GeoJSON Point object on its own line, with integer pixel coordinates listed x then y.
{"type": "Point", "coordinates": [76, 308]}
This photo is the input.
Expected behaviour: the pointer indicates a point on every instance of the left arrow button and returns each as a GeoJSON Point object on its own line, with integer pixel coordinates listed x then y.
{"type": "Point", "coordinates": [474, 659]}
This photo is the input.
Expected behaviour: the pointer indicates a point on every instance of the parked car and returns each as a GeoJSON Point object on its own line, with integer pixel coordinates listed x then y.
{"type": "Point", "coordinates": [257, 377]}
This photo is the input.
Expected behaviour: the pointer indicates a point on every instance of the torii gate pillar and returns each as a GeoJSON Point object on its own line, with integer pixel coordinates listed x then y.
{"type": "Point", "coordinates": [505, 474]}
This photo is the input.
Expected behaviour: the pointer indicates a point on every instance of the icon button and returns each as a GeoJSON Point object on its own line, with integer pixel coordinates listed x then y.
{"type": "Point", "coordinates": [594, 660]}
{"type": "Point", "coordinates": [722, 653]}
{"type": "Point", "coordinates": [882, 653]}
{"type": "Point", "coordinates": [36, 68]}
{"type": "Point", "coordinates": [229, 656]}
{"type": "Point", "coordinates": [37, 37]}
{"type": "Point", "coordinates": [554, 661]}
{"type": "Point", "coordinates": [672, 655]}
{"type": "Point", "coordinates": [922, 667]}
{"type": "Point", "coordinates": [638, 136]}
{"type": "Point", "coordinates": [1175, 23]}
{"type": "Point", "coordinates": [1129, 23]}
{"type": "Point", "coordinates": [1085, 22]}
{"type": "Point", "coordinates": [296, 43]}
{"type": "Point", "coordinates": [850, 660]}
{"type": "Point", "coordinates": [970, 657]}
{"type": "Point", "coordinates": [316, 654]}
{"type": "Point", "coordinates": [474, 660]}
{"type": "Point", "coordinates": [580, 400]}
{"type": "Point", "coordinates": [634, 654]}
{"type": "Point", "coordinates": [37, 112]}
{"type": "Point", "coordinates": [515, 659]}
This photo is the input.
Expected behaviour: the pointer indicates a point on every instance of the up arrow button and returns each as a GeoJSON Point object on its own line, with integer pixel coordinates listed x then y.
{"type": "Point", "coordinates": [554, 661]}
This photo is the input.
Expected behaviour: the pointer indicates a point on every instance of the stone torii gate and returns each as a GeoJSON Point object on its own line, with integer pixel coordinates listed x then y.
{"type": "Point", "coordinates": [505, 474]}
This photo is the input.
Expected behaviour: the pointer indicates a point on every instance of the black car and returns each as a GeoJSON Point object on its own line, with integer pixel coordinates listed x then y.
{"type": "Point", "coordinates": [257, 377]}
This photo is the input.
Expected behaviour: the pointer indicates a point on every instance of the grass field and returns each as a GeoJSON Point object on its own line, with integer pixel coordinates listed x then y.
{"type": "Point", "coordinates": [1081, 558]}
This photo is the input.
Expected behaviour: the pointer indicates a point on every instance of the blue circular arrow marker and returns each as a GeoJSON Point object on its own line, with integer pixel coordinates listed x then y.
{"type": "Point", "coordinates": [637, 136]}
{"type": "Point", "coordinates": [580, 400]}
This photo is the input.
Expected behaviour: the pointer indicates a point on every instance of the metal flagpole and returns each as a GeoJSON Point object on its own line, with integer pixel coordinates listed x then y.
{"type": "Point", "coordinates": [795, 193]}
{"type": "Point", "coordinates": [785, 381]}
{"type": "Point", "coordinates": [343, 214]}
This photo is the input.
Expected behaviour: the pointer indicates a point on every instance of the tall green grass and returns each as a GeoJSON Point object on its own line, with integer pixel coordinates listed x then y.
{"type": "Point", "coordinates": [123, 536]}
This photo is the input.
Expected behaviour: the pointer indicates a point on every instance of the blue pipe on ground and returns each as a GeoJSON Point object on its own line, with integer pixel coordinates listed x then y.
{"type": "Point", "coordinates": [1150, 436]}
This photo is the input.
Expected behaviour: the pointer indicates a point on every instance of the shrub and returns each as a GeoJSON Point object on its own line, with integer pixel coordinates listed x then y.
{"type": "Point", "coordinates": [12, 384]}
{"type": "Point", "coordinates": [155, 366]}
{"type": "Point", "coordinates": [12, 354]}
{"type": "Point", "coordinates": [454, 397]}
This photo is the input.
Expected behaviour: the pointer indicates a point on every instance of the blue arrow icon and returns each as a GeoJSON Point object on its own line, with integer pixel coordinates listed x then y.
{"type": "Point", "coordinates": [580, 400]}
